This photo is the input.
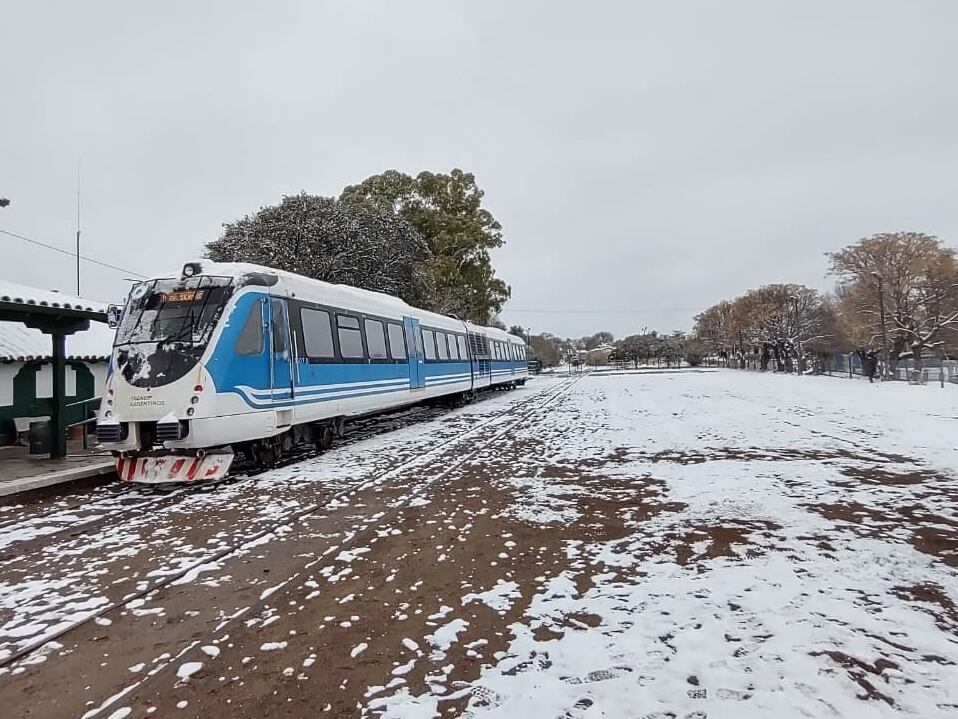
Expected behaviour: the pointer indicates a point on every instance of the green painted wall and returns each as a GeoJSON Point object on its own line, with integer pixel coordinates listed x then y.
{"type": "Point", "coordinates": [26, 403]}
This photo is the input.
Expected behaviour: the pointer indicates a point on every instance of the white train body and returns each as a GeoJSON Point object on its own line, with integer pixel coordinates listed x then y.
{"type": "Point", "coordinates": [226, 356]}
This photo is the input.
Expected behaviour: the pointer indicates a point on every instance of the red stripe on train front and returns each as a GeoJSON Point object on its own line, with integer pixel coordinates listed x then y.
{"type": "Point", "coordinates": [194, 468]}
{"type": "Point", "coordinates": [177, 466]}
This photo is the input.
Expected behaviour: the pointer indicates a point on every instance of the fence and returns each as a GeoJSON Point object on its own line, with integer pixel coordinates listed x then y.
{"type": "Point", "coordinates": [932, 368]}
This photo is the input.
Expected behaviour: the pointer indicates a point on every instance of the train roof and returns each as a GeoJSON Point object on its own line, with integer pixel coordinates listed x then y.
{"type": "Point", "coordinates": [495, 333]}
{"type": "Point", "coordinates": [359, 299]}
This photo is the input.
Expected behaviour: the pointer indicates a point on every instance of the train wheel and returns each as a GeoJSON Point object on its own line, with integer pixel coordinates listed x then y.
{"type": "Point", "coordinates": [325, 437]}
{"type": "Point", "coordinates": [267, 452]}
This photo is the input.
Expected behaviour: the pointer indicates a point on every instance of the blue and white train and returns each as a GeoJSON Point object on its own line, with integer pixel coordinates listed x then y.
{"type": "Point", "coordinates": [228, 358]}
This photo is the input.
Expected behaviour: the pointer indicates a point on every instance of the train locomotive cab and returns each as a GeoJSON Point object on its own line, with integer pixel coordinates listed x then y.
{"type": "Point", "coordinates": [157, 378]}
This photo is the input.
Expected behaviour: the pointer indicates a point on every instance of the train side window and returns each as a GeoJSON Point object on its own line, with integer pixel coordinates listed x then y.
{"type": "Point", "coordinates": [250, 340]}
{"type": "Point", "coordinates": [375, 339]}
{"type": "Point", "coordinates": [317, 333]}
{"type": "Point", "coordinates": [350, 337]}
{"type": "Point", "coordinates": [462, 348]}
{"type": "Point", "coordinates": [453, 347]}
{"type": "Point", "coordinates": [429, 344]}
{"type": "Point", "coordinates": [397, 341]}
{"type": "Point", "coordinates": [442, 346]}
{"type": "Point", "coordinates": [280, 331]}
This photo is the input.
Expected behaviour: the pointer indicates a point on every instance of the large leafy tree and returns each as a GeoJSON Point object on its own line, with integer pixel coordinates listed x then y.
{"type": "Point", "coordinates": [446, 210]}
{"type": "Point", "coordinates": [353, 243]}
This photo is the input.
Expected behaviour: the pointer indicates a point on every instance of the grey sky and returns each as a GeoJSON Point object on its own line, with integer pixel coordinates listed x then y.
{"type": "Point", "coordinates": [651, 158]}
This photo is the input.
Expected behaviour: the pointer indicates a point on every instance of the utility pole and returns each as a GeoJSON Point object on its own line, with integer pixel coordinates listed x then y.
{"type": "Point", "coordinates": [78, 228]}
{"type": "Point", "coordinates": [884, 331]}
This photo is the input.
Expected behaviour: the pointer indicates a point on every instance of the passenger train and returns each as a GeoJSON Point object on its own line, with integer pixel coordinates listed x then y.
{"type": "Point", "coordinates": [226, 358]}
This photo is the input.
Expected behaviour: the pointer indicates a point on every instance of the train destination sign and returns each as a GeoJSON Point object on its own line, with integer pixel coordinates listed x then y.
{"type": "Point", "coordinates": [183, 296]}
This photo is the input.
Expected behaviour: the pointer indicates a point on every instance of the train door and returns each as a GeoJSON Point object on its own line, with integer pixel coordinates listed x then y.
{"type": "Point", "coordinates": [281, 360]}
{"type": "Point", "coordinates": [482, 372]}
{"type": "Point", "coordinates": [414, 353]}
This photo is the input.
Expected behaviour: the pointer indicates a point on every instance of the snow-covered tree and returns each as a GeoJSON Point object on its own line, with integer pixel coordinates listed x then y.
{"type": "Point", "coordinates": [910, 275]}
{"type": "Point", "coordinates": [776, 323]}
{"type": "Point", "coordinates": [348, 243]}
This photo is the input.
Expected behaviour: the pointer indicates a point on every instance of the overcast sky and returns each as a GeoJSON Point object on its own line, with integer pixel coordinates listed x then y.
{"type": "Point", "coordinates": [645, 159]}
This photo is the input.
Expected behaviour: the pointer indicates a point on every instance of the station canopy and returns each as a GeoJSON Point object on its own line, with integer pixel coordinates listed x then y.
{"type": "Point", "coordinates": [58, 315]}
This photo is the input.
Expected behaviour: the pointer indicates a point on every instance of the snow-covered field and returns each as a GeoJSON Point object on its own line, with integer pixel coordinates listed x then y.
{"type": "Point", "coordinates": [645, 545]}
{"type": "Point", "coordinates": [803, 562]}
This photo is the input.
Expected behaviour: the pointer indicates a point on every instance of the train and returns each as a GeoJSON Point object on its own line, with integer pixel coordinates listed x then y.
{"type": "Point", "coordinates": [223, 359]}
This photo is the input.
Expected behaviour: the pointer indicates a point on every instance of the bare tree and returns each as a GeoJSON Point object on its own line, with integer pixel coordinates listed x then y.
{"type": "Point", "coordinates": [908, 278]}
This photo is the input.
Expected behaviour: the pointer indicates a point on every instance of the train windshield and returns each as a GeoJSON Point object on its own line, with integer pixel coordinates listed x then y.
{"type": "Point", "coordinates": [174, 312]}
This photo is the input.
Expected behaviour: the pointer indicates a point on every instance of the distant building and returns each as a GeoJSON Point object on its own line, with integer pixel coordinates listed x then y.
{"type": "Point", "coordinates": [26, 373]}
{"type": "Point", "coordinates": [599, 356]}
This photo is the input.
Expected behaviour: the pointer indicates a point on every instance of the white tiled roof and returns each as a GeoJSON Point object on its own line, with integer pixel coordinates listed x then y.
{"type": "Point", "coordinates": [23, 295]}
{"type": "Point", "coordinates": [19, 343]}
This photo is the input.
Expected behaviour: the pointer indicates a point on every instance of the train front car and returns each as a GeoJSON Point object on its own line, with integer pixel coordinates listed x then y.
{"type": "Point", "coordinates": [159, 404]}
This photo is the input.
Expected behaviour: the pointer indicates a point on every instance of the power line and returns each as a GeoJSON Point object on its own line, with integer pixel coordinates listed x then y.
{"type": "Point", "coordinates": [637, 311]}
{"type": "Point", "coordinates": [71, 254]}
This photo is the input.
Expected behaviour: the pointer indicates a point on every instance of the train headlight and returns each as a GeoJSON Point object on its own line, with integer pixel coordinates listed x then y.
{"type": "Point", "coordinates": [190, 411]}
{"type": "Point", "coordinates": [194, 399]}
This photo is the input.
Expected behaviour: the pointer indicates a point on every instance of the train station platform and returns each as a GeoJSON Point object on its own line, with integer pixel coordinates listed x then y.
{"type": "Point", "coordinates": [21, 471]}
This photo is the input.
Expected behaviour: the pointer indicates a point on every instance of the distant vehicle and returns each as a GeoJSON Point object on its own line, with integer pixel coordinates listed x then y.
{"type": "Point", "coordinates": [228, 358]}
{"type": "Point", "coordinates": [533, 363]}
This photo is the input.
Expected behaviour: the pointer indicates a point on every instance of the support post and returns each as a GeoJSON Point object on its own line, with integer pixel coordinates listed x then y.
{"type": "Point", "coordinates": [58, 440]}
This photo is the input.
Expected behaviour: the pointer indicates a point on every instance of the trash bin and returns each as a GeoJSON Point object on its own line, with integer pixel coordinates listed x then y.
{"type": "Point", "coordinates": [40, 437]}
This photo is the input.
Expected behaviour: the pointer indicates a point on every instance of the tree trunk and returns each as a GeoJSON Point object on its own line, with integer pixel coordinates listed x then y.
{"type": "Point", "coordinates": [916, 351]}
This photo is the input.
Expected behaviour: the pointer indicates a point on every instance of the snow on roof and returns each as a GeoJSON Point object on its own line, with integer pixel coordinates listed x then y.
{"type": "Point", "coordinates": [24, 295]}
{"type": "Point", "coordinates": [19, 343]}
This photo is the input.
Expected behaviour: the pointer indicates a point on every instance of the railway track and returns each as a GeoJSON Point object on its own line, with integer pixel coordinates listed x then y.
{"type": "Point", "coordinates": [162, 496]}
{"type": "Point", "coordinates": [549, 396]}
{"type": "Point", "coordinates": [524, 409]}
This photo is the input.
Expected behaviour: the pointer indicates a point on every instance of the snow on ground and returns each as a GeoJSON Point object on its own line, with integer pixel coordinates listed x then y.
{"type": "Point", "coordinates": [679, 544]}
{"type": "Point", "coordinates": [796, 556]}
